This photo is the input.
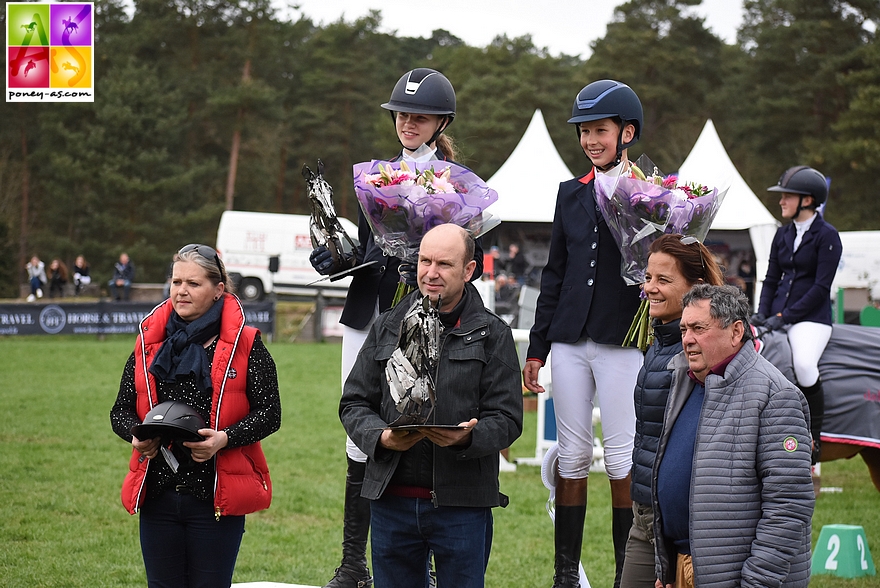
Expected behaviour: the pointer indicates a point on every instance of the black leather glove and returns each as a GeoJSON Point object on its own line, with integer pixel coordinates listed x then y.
{"type": "Point", "coordinates": [757, 319]}
{"type": "Point", "coordinates": [322, 260]}
{"type": "Point", "coordinates": [773, 323]}
{"type": "Point", "coordinates": [409, 273]}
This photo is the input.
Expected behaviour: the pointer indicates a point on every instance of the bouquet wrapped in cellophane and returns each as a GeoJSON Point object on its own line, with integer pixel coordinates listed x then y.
{"type": "Point", "coordinates": [640, 205]}
{"type": "Point", "coordinates": [402, 202]}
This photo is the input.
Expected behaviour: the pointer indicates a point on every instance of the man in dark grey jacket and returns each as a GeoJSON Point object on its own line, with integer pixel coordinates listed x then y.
{"type": "Point", "coordinates": [733, 498]}
{"type": "Point", "coordinates": [433, 488]}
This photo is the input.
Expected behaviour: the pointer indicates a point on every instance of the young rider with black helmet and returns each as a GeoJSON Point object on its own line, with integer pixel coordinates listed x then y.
{"type": "Point", "coordinates": [583, 313]}
{"type": "Point", "coordinates": [422, 106]}
{"type": "Point", "coordinates": [797, 290]}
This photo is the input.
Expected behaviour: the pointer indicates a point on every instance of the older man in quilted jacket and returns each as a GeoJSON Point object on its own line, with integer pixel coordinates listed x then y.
{"type": "Point", "coordinates": [732, 491]}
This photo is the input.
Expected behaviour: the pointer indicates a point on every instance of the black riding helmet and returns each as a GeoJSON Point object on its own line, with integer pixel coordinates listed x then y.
{"type": "Point", "coordinates": [171, 421]}
{"type": "Point", "coordinates": [805, 181]}
{"type": "Point", "coordinates": [609, 99]}
{"type": "Point", "coordinates": [423, 91]}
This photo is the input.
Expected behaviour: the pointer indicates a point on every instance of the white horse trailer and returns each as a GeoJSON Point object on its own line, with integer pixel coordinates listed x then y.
{"type": "Point", "coordinates": [248, 242]}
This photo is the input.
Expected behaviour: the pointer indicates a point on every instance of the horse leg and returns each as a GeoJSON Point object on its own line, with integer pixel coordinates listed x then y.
{"type": "Point", "coordinates": [871, 455]}
{"type": "Point", "coordinates": [832, 451]}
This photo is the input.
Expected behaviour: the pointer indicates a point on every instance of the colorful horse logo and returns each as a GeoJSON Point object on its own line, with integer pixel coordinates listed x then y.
{"type": "Point", "coordinates": [69, 25]}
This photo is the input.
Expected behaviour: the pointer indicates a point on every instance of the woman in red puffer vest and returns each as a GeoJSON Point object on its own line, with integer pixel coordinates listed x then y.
{"type": "Point", "coordinates": [192, 496]}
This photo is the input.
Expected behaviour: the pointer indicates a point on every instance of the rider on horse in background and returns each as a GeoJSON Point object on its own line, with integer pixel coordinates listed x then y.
{"type": "Point", "coordinates": [797, 289]}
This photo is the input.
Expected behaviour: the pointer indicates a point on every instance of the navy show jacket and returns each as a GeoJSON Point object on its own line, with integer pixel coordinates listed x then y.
{"type": "Point", "coordinates": [798, 283]}
{"type": "Point", "coordinates": [582, 292]}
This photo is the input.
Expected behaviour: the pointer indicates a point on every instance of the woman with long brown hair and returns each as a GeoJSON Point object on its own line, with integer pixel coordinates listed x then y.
{"type": "Point", "coordinates": [675, 265]}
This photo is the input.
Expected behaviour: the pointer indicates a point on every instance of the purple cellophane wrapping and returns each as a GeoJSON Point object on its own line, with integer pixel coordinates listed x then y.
{"type": "Point", "coordinates": [638, 212]}
{"type": "Point", "coordinates": [399, 215]}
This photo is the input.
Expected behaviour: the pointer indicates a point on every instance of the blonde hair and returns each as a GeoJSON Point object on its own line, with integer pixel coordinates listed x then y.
{"type": "Point", "coordinates": [446, 146]}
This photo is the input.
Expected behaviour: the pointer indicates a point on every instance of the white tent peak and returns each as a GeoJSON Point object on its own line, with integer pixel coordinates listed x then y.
{"type": "Point", "coordinates": [709, 164]}
{"type": "Point", "coordinates": [528, 181]}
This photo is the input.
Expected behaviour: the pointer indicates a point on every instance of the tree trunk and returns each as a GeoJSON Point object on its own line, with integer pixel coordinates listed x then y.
{"type": "Point", "coordinates": [279, 190]}
{"type": "Point", "coordinates": [25, 197]}
{"type": "Point", "coordinates": [236, 143]}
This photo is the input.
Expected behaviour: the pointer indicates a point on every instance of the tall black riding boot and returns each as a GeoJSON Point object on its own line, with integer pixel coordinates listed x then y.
{"type": "Point", "coordinates": [569, 535]}
{"type": "Point", "coordinates": [816, 401]}
{"type": "Point", "coordinates": [621, 523]}
{"type": "Point", "coordinates": [353, 572]}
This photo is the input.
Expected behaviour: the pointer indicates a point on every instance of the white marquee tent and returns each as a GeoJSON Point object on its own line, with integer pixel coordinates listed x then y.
{"type": "Point", "coordinates": [709, 164]}
{"type": "Point", "coordinates": [528, 181]}
{"type": "Point", "coordinates": [526, 196]}
{"type": "Point", "coordinates": [860, 264]}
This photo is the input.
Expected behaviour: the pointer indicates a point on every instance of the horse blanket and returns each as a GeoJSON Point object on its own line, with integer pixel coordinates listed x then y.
{"type": "Point", "coordinates": [850, 372]}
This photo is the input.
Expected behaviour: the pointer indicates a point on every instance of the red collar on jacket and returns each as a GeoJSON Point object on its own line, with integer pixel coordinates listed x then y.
{"type": "Point", "coordinates": [717, 369]}
{"type": "Point", "coordinates": [589, 177]}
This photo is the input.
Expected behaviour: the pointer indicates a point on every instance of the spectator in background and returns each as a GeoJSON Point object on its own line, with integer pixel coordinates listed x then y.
{"type": "Point", "coordinates": [747, 275]}
{"type": "Point", "coordinates": [492, 264]}
{"type": "Point", "coordinates": [166, 289]}
{"type": "Point", "coordinates": [506, 294]}
{"type": "Point", "coordinates": [57, 278]}
{"type": "Point", "coordinates": [36, 270]}
{"type": "Point", "coordinates": [123, 276]}
{"type": "Point", "coordinates": [81, 277]}
{"type": "Point", "coordinates": [516, 265]}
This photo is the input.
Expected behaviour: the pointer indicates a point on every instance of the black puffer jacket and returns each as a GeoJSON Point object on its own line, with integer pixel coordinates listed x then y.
{"type": "Point", "coordinates": [652, 390]}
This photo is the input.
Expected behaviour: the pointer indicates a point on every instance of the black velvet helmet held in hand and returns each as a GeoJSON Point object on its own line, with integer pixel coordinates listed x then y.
{"type": "Point", "coordinates": [171, 421]}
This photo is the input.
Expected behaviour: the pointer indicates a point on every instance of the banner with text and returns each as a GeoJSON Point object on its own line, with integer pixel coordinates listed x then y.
{"type": "Point", "coordinates": [103, 318]}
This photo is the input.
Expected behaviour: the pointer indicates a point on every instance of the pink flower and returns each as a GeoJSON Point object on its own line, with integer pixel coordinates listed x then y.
{"type": "Point", "coordinates": [670, 182]}
{"type": "Point", "coordinates": [402, 179]}
{"type": "Point", "coordinates": [443, 185]}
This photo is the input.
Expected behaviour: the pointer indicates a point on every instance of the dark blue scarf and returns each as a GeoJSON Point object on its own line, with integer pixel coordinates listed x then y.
{"type": "Point", "coordinates": [182, 354]}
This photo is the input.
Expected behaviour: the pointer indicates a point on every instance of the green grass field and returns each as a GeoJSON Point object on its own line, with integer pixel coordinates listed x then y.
{"type": "Point", "coordinates": [61, 466]}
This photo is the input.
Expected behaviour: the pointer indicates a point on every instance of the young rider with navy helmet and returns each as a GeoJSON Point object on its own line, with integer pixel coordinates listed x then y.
{"type": "Point", "coordinates": [422, 106]}
{"type": "Point", "coordinates": [797, 289]}
{"type": "Point", "coordinates": [583, 313]}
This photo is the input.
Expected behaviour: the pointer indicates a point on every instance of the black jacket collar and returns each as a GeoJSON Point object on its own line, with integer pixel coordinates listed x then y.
{"type": "Point", "coordinates": [668, 334]}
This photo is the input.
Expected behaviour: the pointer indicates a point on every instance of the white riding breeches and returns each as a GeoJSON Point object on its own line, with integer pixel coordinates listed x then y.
{"type": "Point", "coordinates": [352, 341]}
{"type": "Point", "coordinates": [808, 341]}
{"type": "Point", "coordinates": [581, 372]}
